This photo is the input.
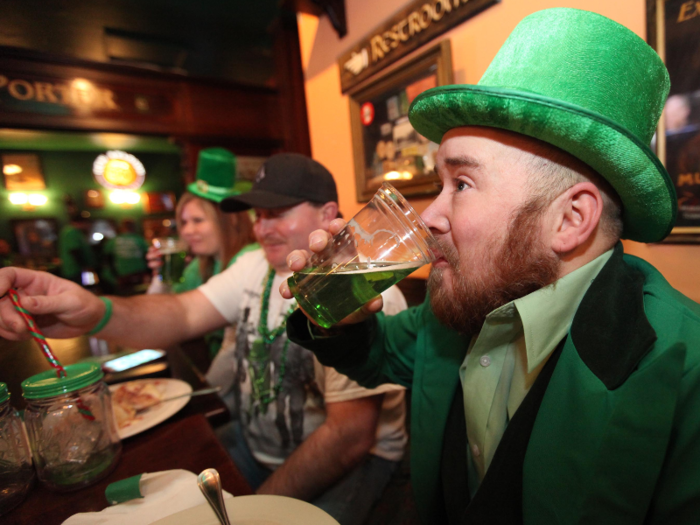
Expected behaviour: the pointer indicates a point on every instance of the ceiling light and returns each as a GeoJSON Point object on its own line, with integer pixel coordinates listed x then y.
{"type": "Point", "coordinates": [18, 198]}
{"type": "Point", "coordinates": [36, 199]}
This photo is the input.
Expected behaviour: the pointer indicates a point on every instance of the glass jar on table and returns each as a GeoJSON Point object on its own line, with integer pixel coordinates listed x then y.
{"type": "Point", "coordinates": [71, 427]}
{"type": "Point", "coordinates": [16, 471]}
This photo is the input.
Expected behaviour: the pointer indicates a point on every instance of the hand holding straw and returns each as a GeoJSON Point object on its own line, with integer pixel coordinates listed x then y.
{"type": "Point", "coordinates": [41, 341]}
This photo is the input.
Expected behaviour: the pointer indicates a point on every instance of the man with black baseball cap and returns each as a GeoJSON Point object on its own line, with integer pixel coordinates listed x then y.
{"type": "Point", "coordinates": [301, 429]}
{"type": "Point", "coordinates": [285, 180]}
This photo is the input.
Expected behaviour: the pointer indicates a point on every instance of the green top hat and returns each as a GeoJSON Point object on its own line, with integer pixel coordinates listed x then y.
{"type": "Point", "coordinates": [585, 84]}
{"type": "Point", "coordinates": [216, 175]}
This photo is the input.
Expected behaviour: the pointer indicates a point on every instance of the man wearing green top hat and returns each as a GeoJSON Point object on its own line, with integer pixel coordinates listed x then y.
{"type": "Point", "coordinates": [567, 387]}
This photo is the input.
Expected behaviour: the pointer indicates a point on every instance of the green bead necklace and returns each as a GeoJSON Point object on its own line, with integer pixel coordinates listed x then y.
{"type": "Point", "coordinates": [268, 396]}
{"type": "Point", "coordinates": [270, 335]}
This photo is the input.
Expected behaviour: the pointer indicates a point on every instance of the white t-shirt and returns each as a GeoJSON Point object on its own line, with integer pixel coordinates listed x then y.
{"type": "Point", "coordinates": [279, 390]}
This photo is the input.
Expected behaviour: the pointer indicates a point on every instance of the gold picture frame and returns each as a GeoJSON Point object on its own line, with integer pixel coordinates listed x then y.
{"type": "Point", "coordinates": [673, 29]}
{"type": "Point", "coordinates": [385, 145]}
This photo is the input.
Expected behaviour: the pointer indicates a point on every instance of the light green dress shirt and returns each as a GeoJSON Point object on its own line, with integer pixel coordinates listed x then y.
{"type": "Point", "coordinates": [506, 357]}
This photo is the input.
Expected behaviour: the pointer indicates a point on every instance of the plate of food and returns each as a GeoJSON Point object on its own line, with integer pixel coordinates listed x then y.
{"type": "Point", "coordinates": [138, 405]}
{"type": "Point", "coordinates": [257, 509]}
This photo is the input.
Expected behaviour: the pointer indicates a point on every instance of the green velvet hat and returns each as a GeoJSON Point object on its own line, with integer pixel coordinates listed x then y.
{"type": "Point", "coordinates": [585, 84]}
{"type": "Point", "coordinates": [216, 175]}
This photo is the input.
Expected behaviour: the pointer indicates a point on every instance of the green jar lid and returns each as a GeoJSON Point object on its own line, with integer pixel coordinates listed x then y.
{"type": "Point", "coordinates": [4, 393]}
{"type": "Point", "coordinates": [48, 384]}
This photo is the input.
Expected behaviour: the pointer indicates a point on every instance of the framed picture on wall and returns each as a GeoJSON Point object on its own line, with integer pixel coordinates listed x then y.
{"type": "Point", "coordinates": [36, 239]}
{"type": "Point", "coordinates": [94, 199]}
{"type": "Point", "coordinates": [22, 172]}
{"type": "Point", "coordinates": [159, 202]}
{"type": "Point", "coordinates": [385, 145]}
{"type": "Point", "coordinates": [673, 29]}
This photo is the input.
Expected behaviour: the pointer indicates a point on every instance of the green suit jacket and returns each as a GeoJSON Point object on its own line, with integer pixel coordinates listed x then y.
{"type": "Point", "coordinates": [615, 435]}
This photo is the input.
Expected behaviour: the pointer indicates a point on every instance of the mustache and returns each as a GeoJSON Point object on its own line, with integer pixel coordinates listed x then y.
{"type": "Point", "coordinates": [449, 253]}
{"type": "Point", "coordinates": [270, 239]}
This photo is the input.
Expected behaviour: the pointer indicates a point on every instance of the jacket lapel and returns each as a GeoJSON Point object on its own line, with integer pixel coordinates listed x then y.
{"type": "Point", "coordinates": [600, 436]}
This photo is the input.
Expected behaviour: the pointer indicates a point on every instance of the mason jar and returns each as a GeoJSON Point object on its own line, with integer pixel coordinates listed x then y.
{"type": "Point", "coordinates": [16, 471]}
{"type": "Point", "coordinates": [71, 427]}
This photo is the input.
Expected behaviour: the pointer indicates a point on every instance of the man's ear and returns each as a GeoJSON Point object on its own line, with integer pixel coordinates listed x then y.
{"type": "Point", "coordinates": [329, 211]}
{"type": "Point", "coordinates": [577, 214]}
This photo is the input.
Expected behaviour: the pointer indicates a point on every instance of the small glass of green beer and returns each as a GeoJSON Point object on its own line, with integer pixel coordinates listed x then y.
{"type": "Point", "coordinates": [386, 241]}
{"type": "Point", "coordinates": [174, 252]}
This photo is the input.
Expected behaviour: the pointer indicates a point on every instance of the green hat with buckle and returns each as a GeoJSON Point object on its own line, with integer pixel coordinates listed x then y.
{"type": "Point", "coordinates": [585, 84]}
{"type": "Point", "coordinates": [216, 176]}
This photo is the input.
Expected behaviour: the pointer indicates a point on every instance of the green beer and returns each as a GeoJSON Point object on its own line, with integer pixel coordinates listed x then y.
{"type": "Point", "coordinates": [330, 297]}
{"type": "Point", "coordinates": [173, 265]}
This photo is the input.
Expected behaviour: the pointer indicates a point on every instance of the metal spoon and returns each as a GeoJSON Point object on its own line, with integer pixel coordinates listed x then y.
{"type": "Point", "coordinates": [209, 483]}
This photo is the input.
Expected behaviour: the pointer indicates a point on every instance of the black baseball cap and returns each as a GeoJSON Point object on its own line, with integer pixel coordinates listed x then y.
{"type": "Point", "coordinates": [286, 179]}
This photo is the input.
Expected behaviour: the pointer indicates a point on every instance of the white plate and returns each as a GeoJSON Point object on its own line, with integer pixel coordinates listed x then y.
{"type": "Point", "coordinates": [254, 510]}
{"type": "Point", "coordinates": [159, 413]}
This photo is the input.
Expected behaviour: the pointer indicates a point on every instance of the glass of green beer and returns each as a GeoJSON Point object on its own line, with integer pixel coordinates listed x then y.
{"type": "Point", "coordinates": [386, 241]}
{"type": "Point", "coordinates": [174, 252]}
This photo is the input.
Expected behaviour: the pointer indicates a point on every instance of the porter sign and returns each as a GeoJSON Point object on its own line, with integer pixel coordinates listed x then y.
{"type": "Point", "coordinates": [410, 28]}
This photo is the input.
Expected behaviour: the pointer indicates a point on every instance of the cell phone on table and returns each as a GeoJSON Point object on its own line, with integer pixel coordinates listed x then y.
{"type": "Point", "coordinates": [128, 361]}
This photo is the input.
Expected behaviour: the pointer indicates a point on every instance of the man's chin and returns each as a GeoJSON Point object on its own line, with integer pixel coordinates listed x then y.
{"type": "Point", "coordinates": [440, 280]}
{"type": "Point", "coordinates": [276, 255]}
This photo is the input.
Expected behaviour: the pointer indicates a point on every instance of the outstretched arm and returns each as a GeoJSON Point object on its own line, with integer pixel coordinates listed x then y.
{"type": "Point", "coordinates": [330, 452]}
{"type": "Point", "coordinates": [64, 309]}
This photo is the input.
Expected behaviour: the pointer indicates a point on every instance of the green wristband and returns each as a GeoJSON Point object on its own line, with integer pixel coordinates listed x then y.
{"type": "Point", "coordinates": [105, 318]}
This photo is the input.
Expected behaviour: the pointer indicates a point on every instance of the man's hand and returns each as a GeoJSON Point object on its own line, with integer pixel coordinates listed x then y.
{"type": "Point", "coordinates": [61, 308]}
{"type": "Point", "coordinates": [297, 260]}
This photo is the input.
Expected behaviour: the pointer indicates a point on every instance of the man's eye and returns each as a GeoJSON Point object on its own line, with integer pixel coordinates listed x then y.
{"type": "Point", "coordinates": [461, 185]}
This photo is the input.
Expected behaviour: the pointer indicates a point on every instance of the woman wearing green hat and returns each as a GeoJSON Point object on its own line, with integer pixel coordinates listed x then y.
{"type": "Point", "coordinates": [215, 238]}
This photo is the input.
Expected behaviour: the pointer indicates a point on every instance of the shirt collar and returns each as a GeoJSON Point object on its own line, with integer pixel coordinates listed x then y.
{"type": "Point", "coordinates": [546, 314]}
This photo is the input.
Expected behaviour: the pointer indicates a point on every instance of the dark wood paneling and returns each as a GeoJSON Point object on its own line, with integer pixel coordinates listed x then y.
{"type": "Point", "coordinates": [200, 110]}
{"type": "Point", "coordinates": [292, 95]}
{"type": "Point", "coordinates": [218, 110]}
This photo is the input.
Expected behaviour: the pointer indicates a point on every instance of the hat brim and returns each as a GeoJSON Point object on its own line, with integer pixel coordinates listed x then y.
{"type": "Point", "coordinates": [647, 193]}
{"type": "Point", "coordinates": [258, 199]}
{"type": "Point", "coordinates": [238, 188]}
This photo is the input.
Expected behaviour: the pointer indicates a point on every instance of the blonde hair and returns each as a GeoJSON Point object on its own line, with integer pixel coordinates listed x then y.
{"type": "Point", "coordinates": [235, 231]}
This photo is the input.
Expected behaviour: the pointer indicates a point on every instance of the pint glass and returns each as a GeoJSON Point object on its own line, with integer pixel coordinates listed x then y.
{"type": "Point", "coordinates": [382, 244]}
{"type": "Point", "coordinates": [174, 252]}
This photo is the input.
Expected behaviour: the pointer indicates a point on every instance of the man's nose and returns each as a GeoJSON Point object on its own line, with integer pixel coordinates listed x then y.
{"type": "Point", "coordinates": [263, 226]}
{"type": "Point", "coordinates": [435, 216]}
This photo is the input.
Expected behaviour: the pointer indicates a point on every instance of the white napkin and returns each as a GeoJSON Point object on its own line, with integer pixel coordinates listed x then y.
{"type": "Point", "coordinates": [165, 493]}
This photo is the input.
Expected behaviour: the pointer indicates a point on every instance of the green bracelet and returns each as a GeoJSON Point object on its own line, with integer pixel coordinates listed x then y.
{"type": "Point", "coordinates": [105, 318]}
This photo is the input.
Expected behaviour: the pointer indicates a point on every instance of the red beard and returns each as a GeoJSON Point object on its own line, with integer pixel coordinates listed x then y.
{"type": "Point", "coordinates": [519, 267]}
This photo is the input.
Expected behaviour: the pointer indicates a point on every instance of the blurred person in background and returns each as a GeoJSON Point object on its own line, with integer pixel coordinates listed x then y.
{"type": "Point", "coordinates": [215, 238]}
{"type": "Point", "coordinates": [73, 247]}
{"type": "Point", "coordinates": [125, 259]}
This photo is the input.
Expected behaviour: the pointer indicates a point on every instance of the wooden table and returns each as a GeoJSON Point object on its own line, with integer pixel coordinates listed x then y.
{"type": "Point", "coordinates": [188, 443]}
